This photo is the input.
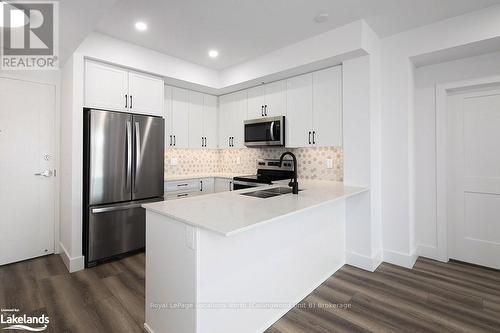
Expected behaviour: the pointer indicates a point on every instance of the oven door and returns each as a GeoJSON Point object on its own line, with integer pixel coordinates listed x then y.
{"type": "Point", "coordinates": [265, 132]}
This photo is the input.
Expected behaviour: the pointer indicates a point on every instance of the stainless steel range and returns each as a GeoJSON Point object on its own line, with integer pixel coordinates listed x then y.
{"type": "Point", "coordinates": [268, 171]}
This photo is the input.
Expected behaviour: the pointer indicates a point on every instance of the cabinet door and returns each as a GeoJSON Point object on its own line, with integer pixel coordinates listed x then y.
{"type": "Point", "coordinates": [167, 104]}
{"type": "Point", "coordinates": [255, 102]}
{"type": "Point", "coordinates": [225, 119]}
{"type": "Point", "coordinates": [195, 119]}
{"type": "Point", "coordinates": [327, 107]}
{"type": "Point", "coordinates": [210, 120]}
{"type": "Point", "coordinates": [299, 111]}
{"type": "Point", "coordinates": [145, 94]}
{"type": "Point", "coordinates": [180, 118]}
{"type": "Point", "coordinates": [223, 185]}
{"type": "Point", "coordinates": [207, 185]}
{"type": "Point", "coordinates": [106, 87]}
{"type": "Point", "coordinates": [275, 99]}
{"type": "Point", "coordinates": [239, 116]}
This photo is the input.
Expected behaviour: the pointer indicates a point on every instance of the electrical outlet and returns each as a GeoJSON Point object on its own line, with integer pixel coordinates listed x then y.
{"type": "Point", "coordinates": [173, 161]}
{"type": "Point", "coordinates": [329, 163]}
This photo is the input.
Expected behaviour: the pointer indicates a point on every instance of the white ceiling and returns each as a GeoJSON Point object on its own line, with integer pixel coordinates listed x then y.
{"type": "Point", "coordinates": [245, 29]}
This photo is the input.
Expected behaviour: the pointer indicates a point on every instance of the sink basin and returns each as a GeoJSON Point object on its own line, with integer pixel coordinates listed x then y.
{"type": "Point", "coordinates": [280, 190]}
{"type": "Point", "coordinates": [261, 194]}
{"type": "Point", "coordinates": [269, 193]}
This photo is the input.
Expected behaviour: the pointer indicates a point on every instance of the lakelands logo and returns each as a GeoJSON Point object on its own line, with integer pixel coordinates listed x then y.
{"type": "Point", "coordinates": [16, 321]}
{"type": "Point", "coordinates": [29, 35]}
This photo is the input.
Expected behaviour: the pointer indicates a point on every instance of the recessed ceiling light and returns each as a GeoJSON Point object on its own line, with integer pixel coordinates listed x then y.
{"type": "Point", "coordinates": [213, 53]}
{"type": "Point", "coordinates": [141, 26]}
{"type": "Point", "coordinates": [320, 18]}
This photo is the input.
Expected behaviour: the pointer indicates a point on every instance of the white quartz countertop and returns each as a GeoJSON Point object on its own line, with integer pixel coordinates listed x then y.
{"type": "Point", "coordinates": [168, 178]}
{"type": "Point", "coordinates": [229, 213]}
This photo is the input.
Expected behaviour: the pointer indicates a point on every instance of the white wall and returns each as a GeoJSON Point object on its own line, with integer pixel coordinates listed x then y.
{"type": "Point", "coordinates": [426, 79]}
{"type": "Point", "coordinates": [398, 160]}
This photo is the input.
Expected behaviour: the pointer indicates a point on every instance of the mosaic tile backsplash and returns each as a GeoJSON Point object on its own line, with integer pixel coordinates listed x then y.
{"type": "Point", "coordinates": [311, 161]}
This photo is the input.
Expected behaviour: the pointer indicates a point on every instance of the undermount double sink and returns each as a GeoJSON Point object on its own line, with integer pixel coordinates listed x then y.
{"type": "Point", "coordinates": [269, 193]}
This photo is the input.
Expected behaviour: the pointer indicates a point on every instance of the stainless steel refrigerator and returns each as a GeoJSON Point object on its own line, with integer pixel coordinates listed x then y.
{"type": "Point", "coordinates": [123, 168]}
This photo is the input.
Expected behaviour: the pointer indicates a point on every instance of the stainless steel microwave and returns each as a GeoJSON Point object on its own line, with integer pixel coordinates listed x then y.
{"type": "Point", "coordinates": [265, 132]}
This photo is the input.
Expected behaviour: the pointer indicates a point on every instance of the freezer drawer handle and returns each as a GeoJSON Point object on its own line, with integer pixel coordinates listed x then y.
{"type": "Point", "coordinates": [114, 208]}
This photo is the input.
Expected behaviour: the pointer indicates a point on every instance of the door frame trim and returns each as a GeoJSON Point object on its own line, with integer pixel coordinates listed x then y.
{"type": "Point", "coordinates": [50, 78]}
{"type": "Point", "coordinates": [442, 91]}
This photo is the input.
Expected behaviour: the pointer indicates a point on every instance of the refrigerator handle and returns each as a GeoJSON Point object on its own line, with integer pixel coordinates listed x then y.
{"type": "Point", "coordinates": [137, 150]}
{"type": "Point", "coordinates": [129, 156]}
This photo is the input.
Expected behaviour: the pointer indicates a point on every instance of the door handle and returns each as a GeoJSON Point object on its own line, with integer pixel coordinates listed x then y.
{"type": "Point", "coordinates": [126, 101]}
{"type": "Point", "coordinates": [137, 151]}
{"type": "Point", "coordinates": [309, 137]}
{"type": "Point", "coordinates": [131, 101]}
{"type": "Point", "coordinates": [129, 155]}
{"type": "Point", "coordinates": [314, 137]}
{"type": "Point", "coordinates": [45, 173]}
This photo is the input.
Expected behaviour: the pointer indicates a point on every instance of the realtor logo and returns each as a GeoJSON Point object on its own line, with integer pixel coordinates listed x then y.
{"type": "Point", "coordinates": [29, 35]}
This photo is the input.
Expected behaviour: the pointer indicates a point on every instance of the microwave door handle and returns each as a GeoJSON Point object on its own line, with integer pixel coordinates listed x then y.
{"type": "Point", "coordinates": [272, 130]}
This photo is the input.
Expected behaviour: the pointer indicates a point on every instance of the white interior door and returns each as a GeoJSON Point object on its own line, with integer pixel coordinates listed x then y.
{"type": "Point", "coordinates": [26, 148]}
{"type": "Point", "coordinates": [474, 177]}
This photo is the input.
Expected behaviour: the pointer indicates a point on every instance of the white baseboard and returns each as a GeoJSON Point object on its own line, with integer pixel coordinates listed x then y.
{"type": "Point", "coordinates": [364, 262]}
{"type": "Point", "coordinates": [72, 264]}
{"type": "Point", "coordinates": [300, 298]}
{"type": "Point", "coordinates": [148, 329]}
{"type": "Point", "coordinates": [400, 259]}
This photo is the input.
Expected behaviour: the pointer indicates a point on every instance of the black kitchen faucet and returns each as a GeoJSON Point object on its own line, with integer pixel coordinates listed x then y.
{"type": "Point", "coordinates": [294, 184]}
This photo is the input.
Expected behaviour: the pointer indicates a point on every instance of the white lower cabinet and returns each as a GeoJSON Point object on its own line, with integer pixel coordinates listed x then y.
{"type": "Point", "coordinates": [223, 185]}
{"type": "Point", "coordinates": [186, 188]}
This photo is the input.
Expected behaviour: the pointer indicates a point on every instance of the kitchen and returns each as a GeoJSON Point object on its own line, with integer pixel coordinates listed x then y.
{"type": "Point", "coordinates": [280, 188]}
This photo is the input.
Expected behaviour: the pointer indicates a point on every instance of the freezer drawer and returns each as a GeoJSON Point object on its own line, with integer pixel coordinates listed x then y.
{"type": "Point", "coordinates": [115, 230]}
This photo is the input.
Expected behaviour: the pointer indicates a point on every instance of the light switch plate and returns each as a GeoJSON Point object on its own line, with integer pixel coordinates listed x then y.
{"type": "Point", "coordinates": [329, 163]}
{"type": "Point", "coordinates": [173, 161]}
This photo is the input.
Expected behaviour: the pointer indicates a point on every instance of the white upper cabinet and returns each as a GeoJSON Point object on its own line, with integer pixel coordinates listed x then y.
{"type": "Point", "coordinates": [314, 109]}
{"type": "Point", "coordinates": [202, 120]}
{"type": "Point", "coordinates": [196, 137]}
{"type": "Point", "coordinates": [232, 114]}
{"type": "Point", "coordinates": [146, 94]}
{"type": "Point", "coordinates": [210, 120]}
{"type": "Point", "coordinates": [298, 122]}
{"type": "Point", "coordinates": [256, 102]}
{"type": "Point", "coordinates": [327, 107]}
{"type": "Point", "coordinates": [113, 88]}
{"type": "Point", "coordinates": [180, 119]}
{"type": "Point", "coordinates": [106, 87]}
{"type": "Point", "coordinates": [267, 100]}
{"type": "Point", "coordinates": [225, 120]}
{"type": "Point", "coordinates": [275, 99]}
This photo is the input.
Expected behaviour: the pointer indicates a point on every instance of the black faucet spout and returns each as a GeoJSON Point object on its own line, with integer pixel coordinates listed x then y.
{"type": "Point", "coordinates": [294, 184]}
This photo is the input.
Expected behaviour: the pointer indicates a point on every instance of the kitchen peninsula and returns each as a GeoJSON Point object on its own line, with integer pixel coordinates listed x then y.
{"type": "Point", "coordinates": [228, 262]}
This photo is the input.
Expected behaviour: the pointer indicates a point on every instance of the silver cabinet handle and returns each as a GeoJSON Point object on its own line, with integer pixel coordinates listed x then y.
{"type": "Point", "coordinates": [137, 151]}
{"type": "Point", "coordinates": [45, 173]}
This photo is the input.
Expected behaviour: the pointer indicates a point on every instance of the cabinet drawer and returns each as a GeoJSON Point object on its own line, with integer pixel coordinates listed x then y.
{"type": "Point", "coordinates": [182, 185]}
{"type": "Point", "coordinates": [181, 195]}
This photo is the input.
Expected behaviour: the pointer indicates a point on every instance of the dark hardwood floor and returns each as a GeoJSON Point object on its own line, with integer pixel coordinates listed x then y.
{"type": "Point", "coordinates": [431, 297]}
